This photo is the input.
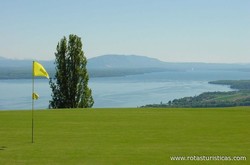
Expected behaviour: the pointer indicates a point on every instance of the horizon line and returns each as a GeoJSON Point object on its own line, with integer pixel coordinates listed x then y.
{"type": "Point", "coordinates": [112, 54]}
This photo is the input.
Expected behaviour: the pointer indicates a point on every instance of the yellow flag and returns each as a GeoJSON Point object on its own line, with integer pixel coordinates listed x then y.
{"type": "Point", "coordinates": [35, 96]}
{"type": "Point", "coordinates": [38, 70]}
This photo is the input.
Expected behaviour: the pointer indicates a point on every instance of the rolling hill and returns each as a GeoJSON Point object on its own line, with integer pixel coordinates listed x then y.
{"type": "Point", "coordinates": [102, 66]}
{"type": "Point", "coordinates": [124, 61]}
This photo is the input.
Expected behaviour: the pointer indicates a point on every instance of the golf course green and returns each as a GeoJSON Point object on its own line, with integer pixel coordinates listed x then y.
{"type": "Point", "coordinates": [125, 136]}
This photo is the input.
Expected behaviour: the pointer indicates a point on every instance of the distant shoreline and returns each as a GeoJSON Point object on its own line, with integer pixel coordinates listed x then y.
{"type": "Point", "coordinates": [239, 97]}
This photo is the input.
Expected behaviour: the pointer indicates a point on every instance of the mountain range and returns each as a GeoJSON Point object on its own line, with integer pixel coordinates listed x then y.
{"type": "Point", "coordinates": [104, 61]}
{"type": "Point", "coordinates": [114, 65]}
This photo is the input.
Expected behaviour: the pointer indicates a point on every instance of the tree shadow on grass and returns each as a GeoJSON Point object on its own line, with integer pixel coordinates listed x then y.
{"type": "Point", "coordinates": [2, 148]}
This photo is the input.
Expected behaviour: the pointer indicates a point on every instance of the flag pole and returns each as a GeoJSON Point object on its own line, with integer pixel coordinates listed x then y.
{"type": "Point", "coordinates": [33, 88]}
{"type": "Point", "coordinates": [37, 70]}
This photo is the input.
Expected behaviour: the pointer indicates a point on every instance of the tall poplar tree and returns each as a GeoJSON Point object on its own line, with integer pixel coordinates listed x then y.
{"type": "Point", "coordinates": [70, 85]}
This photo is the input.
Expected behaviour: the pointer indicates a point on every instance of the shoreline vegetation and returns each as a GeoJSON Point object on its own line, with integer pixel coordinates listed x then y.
{"type": "Point", "coordinates": [239, 97]}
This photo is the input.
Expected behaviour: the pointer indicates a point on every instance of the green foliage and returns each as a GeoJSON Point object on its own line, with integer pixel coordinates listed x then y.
{"type": "Point", "coordinates": [124, 136]}
{"type": "Point", "coordinates": [71, 87]}
{"type": "Point", "coordinates": [214, 99]}
{"type": "Point", "coordinates": [241, 97]}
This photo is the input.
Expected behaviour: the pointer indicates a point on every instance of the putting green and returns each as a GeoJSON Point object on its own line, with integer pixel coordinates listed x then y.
{"type": "Point", "coordinates": [124, 136]}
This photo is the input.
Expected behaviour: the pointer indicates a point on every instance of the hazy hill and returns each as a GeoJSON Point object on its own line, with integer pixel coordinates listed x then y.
{"type": "Point", "coordinates": [139, 62]}
{"type": "Point", "coordinates": [105, 61]}
{"type": "Point", "coordinates": [113, 65]}
{"type": "Point", "coordinates": [124, 61]}
{"type": "Point", "coordinates": [102, 66]}
{"type": "Point", "coordinates": [128, 61]}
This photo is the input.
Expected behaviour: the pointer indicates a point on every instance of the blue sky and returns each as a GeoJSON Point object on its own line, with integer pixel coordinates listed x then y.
{"type": "Point", "coordinates": [170, 30]}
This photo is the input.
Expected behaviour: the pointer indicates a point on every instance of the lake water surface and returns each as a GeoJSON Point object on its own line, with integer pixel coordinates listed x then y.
{"type": "Point", "coordinates": [127, 91]}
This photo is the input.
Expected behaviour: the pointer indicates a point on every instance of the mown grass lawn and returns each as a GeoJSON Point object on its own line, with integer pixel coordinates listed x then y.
{"type": "Point", "coordinates": [124, 136]}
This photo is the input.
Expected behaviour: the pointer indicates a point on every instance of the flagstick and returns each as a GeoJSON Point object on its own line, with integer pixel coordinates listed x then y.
{"type": "Point", "coordinates": [33, 86]}
{"type": "Point", "coordinates": [37, 70]}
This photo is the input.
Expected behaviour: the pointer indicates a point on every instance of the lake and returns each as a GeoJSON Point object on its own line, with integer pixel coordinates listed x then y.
{"type": "Point", "coordinates": [126, 91]}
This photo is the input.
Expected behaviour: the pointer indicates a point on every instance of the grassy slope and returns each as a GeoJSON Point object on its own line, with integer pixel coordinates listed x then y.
{"type": "Point", "coordinates": [127, 136]}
